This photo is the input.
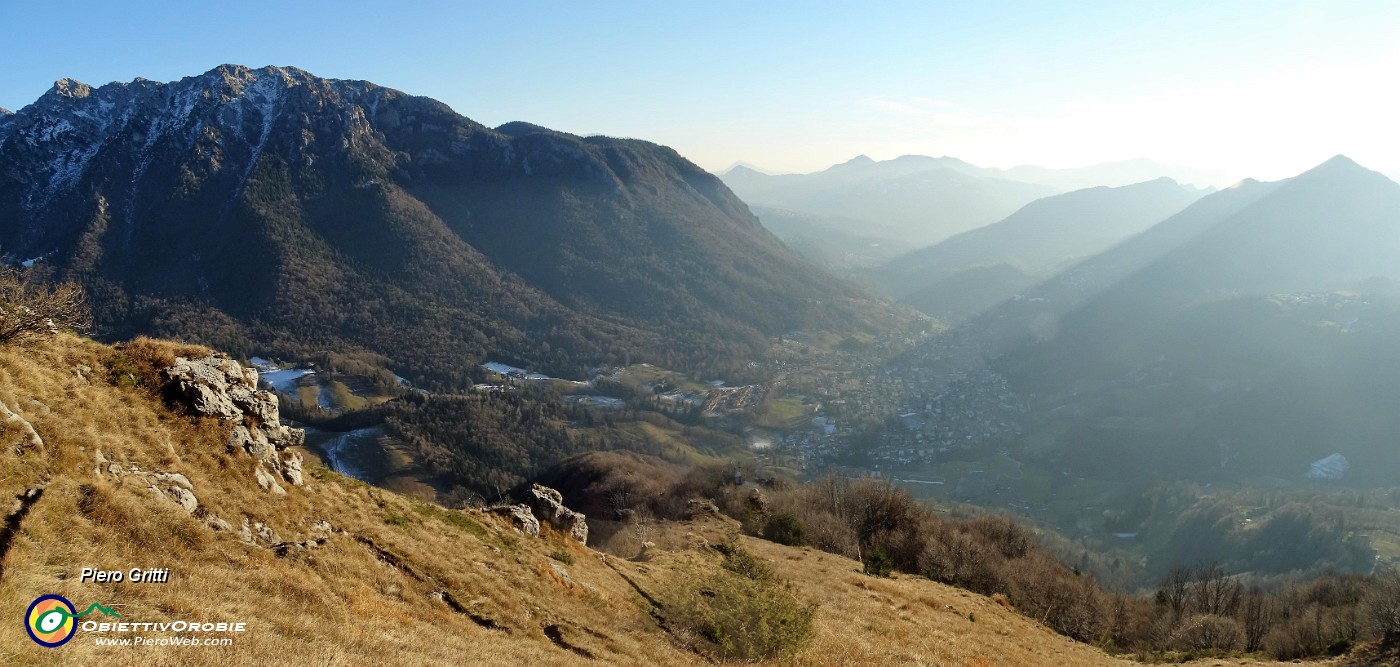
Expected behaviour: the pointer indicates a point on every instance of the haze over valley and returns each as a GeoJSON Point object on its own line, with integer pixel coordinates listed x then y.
{"type": "Point", "coordinates": [1086, 357]}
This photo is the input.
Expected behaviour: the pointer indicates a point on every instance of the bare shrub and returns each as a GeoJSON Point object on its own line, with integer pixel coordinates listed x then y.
{"type": "Point", "coordinates": [1174, 592]}
{"type": "Point", "coordinates": [1046, 590]}
{"type": "Point", "coordinates": [30, 309]}
{"type": "Point", "coordinates": [1208, 632]}
{"type": "Point", "coordinates": [1299, 636]}
{"type": "Point", "coordinates": [828, 532]}
{"type": "Point", "coordinates": [1215, 592]}
{"type": "Point", "coordinates": [1383, 606]}
{"type": "Point", "coordinates": [1131, 622]}
{"type": "Point", "coordinates": [878, 505]}
{"type": "Point", "coordinates": [1003, 533]}
{"type": "Point", "coordinates": [955, 557]}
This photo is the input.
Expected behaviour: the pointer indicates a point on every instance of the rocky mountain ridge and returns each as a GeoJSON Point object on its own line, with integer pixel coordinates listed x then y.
{"type": "Point", "coordinates": [272, 210]}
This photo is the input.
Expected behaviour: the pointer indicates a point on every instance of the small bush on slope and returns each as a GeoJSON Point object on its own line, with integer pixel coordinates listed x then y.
{"type": "Point", "coordinates": [742, 612]}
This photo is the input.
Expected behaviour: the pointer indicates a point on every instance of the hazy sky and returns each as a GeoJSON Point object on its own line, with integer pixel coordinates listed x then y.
{"type": "Point", "coordinates": [1262, 89]}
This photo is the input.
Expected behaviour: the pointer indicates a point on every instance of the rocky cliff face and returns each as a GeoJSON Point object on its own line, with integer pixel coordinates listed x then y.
{"type": "Point", "coordinates": [213, 126]}
{"type": "Point", "coordinates": [219, 387]}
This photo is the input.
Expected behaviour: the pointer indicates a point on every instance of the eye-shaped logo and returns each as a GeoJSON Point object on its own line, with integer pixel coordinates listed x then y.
{"type": "Point", "coordinates": [51, 621]}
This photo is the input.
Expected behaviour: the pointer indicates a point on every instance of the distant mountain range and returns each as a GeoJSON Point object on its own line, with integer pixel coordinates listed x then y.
{"type": "Point", "coordinates": [271, 210]}
{"type": "Point", "coordinates": [1114, 174]}
{"type": "Point", "coordinates": [920, 201]}
{"type": "Point", "coordinates": [973, 271]}
{"type": "Point", "coordinates": [1248, 335]}
{"type": "Point", "coordinates": [923, 200]}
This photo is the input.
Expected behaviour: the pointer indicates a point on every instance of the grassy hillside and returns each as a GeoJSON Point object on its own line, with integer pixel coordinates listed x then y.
{"type": "Point", "coordinates": [342, 573]}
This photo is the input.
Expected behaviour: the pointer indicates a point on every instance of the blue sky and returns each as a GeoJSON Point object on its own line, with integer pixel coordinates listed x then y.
{"type": "Point", "coordinates": [1261, 89]}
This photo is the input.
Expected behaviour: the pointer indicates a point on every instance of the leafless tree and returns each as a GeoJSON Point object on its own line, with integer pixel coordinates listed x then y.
{"type": "Point", "coordinates": [1215, 592]}
{"type": "Point", "coordinates": [643, 525]}
{"type": "Point", "coordinates": [1175, 591]}
{"type": "Point", "coordinates": [1383, 606]}
{"type": "Point", "coordinates": [1256, 617]}
{"type": "Point", "coordinates": [1208, 631]}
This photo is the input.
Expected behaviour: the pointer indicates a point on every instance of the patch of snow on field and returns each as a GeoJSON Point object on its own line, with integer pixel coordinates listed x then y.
{"type": "Point", "coordinates": [512, 371]}
{"type": "Point", "coordinates": [281, 379]}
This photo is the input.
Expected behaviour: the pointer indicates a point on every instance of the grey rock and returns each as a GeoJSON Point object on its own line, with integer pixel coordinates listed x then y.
{"type": "Point", "coordinates": [267, 481]}
{"type": "Point", "coordinates": [219, 387]}
{"type": "Point", "coordinates": [521, 518]}
{"type": "Point", "coordinates": [266, 533]}
{"type": "Point", "coordinates": [184, 498]}
{"type": "Point", "coordinates": [292, 437]}
{"type": "Point", "coordinates": [206, 399]}
{"type": "Point", "coordinates": [548, 505]}
{"type": "Point", "coordinates": [28, 436]}
{"type": "Point", "coordinates": [170, 486]}
{"type": "Point", "coordinates": [758, 502]}
{"type": "Point", "coordinates": [217, 524]}
{"type": "Point", "coordinates": [174, 479]}
{"type": "Point", "coordinates": [285, 549]}
{"type": "Point", "coordinates": [254, 442]}
{"type": "Point", "coordinates": [562, 573]}
{"type": "Point", "coordinates": [291, 468]}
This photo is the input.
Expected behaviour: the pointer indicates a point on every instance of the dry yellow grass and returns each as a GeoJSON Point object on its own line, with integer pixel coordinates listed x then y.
{"type": "Point", "coordinates": [864, 620]}
{"type": "Point", "coordinates": [398, 582]}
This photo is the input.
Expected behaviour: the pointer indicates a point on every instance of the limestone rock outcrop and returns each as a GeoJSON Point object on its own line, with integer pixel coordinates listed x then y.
{"type": "Point", "coordinates": [219, 387]}
{"type": "Point", "coordinates": [520, 518]}
{"type": "Point", "coordinates": [545, 505]}
{"type": "Point", "coordinates": [548, 505]}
